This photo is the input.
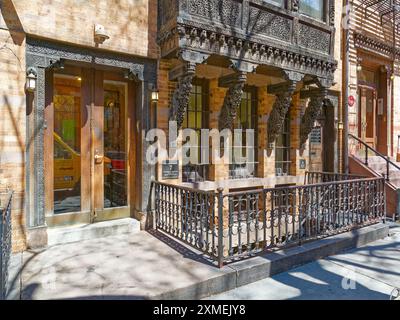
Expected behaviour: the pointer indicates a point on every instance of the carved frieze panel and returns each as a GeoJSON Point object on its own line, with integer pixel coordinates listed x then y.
{"type": "Point", "coordinates": [228, 12]}
{"type": "Point", "coordinates": [314, 39]}
{"type": "Point", "coordinates": [271, 37]}
{"type": "Point", "coordinates": [270, 24]}
{"type": "Point", "coordinates": [374, 45]}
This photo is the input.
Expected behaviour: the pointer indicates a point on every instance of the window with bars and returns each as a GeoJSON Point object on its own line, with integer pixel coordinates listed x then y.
{"type": "Point", "coordinates": [282, 149]}
{"type": "Point", "coordinates": [196, 118]}
{"type": "Point", "coordinates": [246, 118]}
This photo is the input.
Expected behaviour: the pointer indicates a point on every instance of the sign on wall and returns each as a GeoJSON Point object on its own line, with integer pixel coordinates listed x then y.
{"type": "Point", "coordinates": [316, 135]}
{"type": "Point", "coordinates": [351, 101]}
{"type": "Point", "coordinates": [170, 169]}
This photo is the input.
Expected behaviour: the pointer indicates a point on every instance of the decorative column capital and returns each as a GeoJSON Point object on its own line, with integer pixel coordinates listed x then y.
{"type": "Point", "coordinates": [184, 74]}
{"type": "Point", "coordinates": [312, 113]}
{"type": "Point", "coordinates": [284, 93]}
{"type": "Point", "coordinates": [235, 83]}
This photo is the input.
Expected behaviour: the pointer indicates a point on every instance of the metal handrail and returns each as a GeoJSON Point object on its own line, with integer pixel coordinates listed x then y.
{"type": "Point", "coordinates": [5, 243]}
{"type": "Point", "coordinates": [386, 158]}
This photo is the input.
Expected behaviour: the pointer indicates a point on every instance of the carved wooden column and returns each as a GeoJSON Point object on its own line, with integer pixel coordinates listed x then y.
{"type": "Point", "coordinates": [312, 113]}
{"type": "Point", "coordinates": [184, 73]}
{"type": "Point", "coordinates": [235, 83]}
{"type": "Point", "coordinates": [280, 108]}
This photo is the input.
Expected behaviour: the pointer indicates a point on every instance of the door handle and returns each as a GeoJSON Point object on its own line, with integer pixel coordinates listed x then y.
{"type": "Point", "coordinates": [98, 159]}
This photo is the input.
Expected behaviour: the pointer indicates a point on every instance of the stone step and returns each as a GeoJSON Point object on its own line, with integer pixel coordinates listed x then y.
{"type": "Point", "coordinates": [81, 232]}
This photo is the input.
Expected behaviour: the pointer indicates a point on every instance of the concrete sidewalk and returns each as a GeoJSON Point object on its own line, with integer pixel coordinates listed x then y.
{"type": "Point", "coordinates": [369, 272]}
{"type": "Point", "coordinates": [152, 266]}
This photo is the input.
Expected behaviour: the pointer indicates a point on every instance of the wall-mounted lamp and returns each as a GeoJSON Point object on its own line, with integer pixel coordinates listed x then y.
{"type": "Point", "coordinates": [31, 79]}
{"type": "Point", "coordinates": [154, 95]}
{"type": "Point", "coordinates": [392, 77]}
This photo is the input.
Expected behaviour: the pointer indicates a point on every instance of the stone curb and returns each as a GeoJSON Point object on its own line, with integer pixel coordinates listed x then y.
{"type": "Point", "coordinates": [266, 265]}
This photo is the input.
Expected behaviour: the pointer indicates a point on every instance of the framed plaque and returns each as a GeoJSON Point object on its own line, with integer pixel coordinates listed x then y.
{"type": "Point", "coordinates": [170, 169]}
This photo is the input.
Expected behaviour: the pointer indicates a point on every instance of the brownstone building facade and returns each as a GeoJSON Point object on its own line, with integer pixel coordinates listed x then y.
{"type": "Point", "coordinates": [374, 87]}
{"type": "Point", "coordinates": [73, 143]}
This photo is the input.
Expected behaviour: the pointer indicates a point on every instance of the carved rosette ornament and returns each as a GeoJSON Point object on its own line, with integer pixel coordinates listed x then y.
{"type": "Point", "coordinates": [280, 108]}
{"type": "Point", "coordinates": [181, 96]}
{"type": "Point", "coordinates": [233, 98]}
{"type": "Point", "coordinates": [311, 114]}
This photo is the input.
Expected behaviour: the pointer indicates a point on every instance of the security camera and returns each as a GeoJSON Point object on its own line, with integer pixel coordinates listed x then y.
{"type": "Point", "coordinates": [100, 34]}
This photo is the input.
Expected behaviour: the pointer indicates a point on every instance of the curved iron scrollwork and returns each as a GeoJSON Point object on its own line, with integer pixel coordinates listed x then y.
{"type": "Point", "coordinates": [232, 100]}
{"type": "Point", "coordinates": [311, 114]}
{"type": "Point", "coordinates": [180, 99]}
{"type": "Point", "coordinates": [279, 111]}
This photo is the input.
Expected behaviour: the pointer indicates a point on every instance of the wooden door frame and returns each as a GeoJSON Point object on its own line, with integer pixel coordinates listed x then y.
{"type": "Point", "coordinates": [92, 201]}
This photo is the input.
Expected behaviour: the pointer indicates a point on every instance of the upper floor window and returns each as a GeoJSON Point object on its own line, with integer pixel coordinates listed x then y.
{"type": "Point", "coordinates": [313, 8]}
{"type": "Point", "coordinates": [279, 3]}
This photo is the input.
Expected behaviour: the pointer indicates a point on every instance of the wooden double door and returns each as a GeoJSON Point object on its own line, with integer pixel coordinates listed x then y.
{"type": "Point", "coordinates": [89, 145]}
{"type": "Point", "coordinates": [368, 115]}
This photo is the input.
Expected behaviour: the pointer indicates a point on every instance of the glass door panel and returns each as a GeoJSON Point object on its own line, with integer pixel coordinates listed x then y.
{"type": "Point", "coordinates": [115, 145]}
{"type": "Point", "coordinates": [67, 144]}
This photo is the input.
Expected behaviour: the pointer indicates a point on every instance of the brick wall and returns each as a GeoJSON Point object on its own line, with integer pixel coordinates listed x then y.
{"type": "Point", "coordinates": [131, 24]}
{"type": "Point", "coordinates": [13, 115]}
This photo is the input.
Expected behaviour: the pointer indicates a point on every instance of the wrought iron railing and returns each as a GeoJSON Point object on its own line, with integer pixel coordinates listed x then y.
{"type": "Point", "coordinates": [321, 177]}
{"type": "Point", "coordinates": [235, 225]}
{"type": "Point", "coordinates": [5, 242]}
{"type": "Point", "coordinates": [368, 149]}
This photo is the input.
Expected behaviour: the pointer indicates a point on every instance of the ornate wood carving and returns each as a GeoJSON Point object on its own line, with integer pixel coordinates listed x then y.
{"type": "Point", "coordinates": [374, 45]}
{"type": "Point", "coordinates": [233, 97]}
{"type": "Point", "coordinates": [246, 31]}
{"type": "Point", "coordinates": [180, 99]}
{"type": "Point", "coordinates": [280, 108]}
{"type": "Point", "coordinates": [312, 113]}
{"type": "Point", "coordinates": [295, 5]}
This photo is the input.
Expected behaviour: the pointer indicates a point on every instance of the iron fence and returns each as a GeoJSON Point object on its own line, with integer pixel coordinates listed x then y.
{"type": "Point", "coordinates": [321, 177]}
{"type": "Point", "coordinates": [5, 243]}
{"type": "Point", "coordinates": [235, 225]}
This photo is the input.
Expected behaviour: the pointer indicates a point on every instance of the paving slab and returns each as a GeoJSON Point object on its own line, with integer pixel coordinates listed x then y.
{"type": "Point", "coordinates": [136, 266]}
{"type": "Point", "coordinates": [369, 272]}
{"type": "Point", "coordinates": [150, 265]}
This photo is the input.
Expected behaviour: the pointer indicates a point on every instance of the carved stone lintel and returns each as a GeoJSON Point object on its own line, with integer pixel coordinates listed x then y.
{"type": "Point", "coordinates": [233, 97]}
{"type": "Point", "coordinates": [312, 113]}
{"type": "Point", "coordinates": [280, 108]}
{"type": "Point", "coordinates": [180, 99]}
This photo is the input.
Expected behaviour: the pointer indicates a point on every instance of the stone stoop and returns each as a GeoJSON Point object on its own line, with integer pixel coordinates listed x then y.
{"type": "Point", "coordinates": [81, 232]}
